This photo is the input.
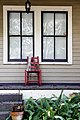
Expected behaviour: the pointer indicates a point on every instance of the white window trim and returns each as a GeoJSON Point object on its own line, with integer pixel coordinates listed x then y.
{"type": "Point", "coordinates": [37, 31]}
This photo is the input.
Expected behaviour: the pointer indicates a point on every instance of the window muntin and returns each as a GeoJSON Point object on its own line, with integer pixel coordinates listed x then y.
{"type": "Point", "coordinates": [54, 36]}
{"type": "Point", "coordinates": [20, 35]}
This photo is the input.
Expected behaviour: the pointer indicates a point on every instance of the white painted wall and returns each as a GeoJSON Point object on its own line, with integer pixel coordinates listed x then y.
{"type": "Point", "coordinates": [38, 93]}
{"type": "Point", "coordinates": [44, 93]}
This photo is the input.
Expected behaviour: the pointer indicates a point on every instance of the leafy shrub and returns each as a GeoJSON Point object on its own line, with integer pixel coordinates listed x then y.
{"type": "Point", "coordinates": [54, 108]}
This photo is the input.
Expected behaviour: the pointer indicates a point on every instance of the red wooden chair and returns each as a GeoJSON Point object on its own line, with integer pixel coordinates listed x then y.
{"type": "Point", "coordinates": [33, 72]}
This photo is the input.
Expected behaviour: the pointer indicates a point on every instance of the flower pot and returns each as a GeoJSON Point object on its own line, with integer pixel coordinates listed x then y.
{"type": "Point", "coordinates": [17, 115]}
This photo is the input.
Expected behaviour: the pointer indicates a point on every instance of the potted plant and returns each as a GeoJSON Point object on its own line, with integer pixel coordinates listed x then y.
{"type": "Point", "coordinates": [16, 113]}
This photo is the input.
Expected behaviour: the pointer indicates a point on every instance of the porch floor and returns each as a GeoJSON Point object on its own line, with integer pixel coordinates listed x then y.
{"type": "Point", "coordinates": [46, 86]}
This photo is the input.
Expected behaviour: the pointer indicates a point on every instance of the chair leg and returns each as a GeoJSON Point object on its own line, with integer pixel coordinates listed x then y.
{"type": "Point", "coordinates": [39, 78]}
{"type": "Point", "coordinates": [28, 78]}
{"type": "Point", "coordinates": [25, 77]}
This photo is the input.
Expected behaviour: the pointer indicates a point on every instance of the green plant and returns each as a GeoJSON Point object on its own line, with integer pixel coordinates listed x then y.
{"type": "Point", "coordinates": [54, 108]}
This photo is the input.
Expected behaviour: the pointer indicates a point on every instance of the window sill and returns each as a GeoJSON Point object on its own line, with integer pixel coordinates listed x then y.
{"type": "Point", "coordinates": [41, 63]}
{"type": "Point", "coordinates": [56, 63]}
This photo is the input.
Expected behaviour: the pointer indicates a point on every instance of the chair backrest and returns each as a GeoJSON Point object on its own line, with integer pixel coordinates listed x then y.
{"type": "Point", "coordinates": [35, 60]}
{"type": "Point", "coordinates": [34, 64]}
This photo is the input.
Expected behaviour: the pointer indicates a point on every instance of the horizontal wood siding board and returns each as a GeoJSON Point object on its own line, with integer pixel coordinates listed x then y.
{"type": "Point", "coordinates": [46, 74]}
{"type": "Point", "coordinates": [53, 66]}
{"type": "Point", "coordinates": [69, 70]}
{"type": "Point", "coordinates": [51, 70]}
{"type": "Point", "coordinates": [62, 78]}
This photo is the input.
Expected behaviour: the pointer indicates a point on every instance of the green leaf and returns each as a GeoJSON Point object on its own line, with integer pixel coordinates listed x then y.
{"type": "Point", "coordinates": [31, 114]}
{"type": "Point", "coordinates": [8, 118]}
{"type": "Point", "coordinates": [59, 99]}
{"type": "Point", "coordinates": [59, 117]}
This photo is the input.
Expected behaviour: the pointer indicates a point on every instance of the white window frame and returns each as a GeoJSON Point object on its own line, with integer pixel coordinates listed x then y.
{"type": "Point", "coordinates": [37, 31]}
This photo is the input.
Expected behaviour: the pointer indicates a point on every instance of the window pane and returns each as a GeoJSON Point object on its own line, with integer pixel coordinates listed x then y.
{"type": "Point", "coordinates": [27, 47]}
{"type": "Point", "coordinates": [48, 48]}
{"type": "Point", "coordinates": [27, 24]}
{"type": "Point", "coordinates": [14, 24]}
{"type": "Point", "coordinates": [14, 52]}
{"type": "Point", "coordinates": [48, 24]}
{"type": "Point", "coordinates": [60, 48]}
{"type": "Point", "coordinates": [60, 24]}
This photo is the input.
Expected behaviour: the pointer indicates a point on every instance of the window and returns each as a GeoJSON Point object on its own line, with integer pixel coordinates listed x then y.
{"type": "Point", "coordinates": [45, 32]}
{"type": "Point", "coordinates": [54, 36]}
{"type": "Point", "coordinates": [20, 35]}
